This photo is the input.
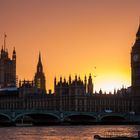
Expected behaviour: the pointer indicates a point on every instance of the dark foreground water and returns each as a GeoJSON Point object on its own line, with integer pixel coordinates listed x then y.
{"type": "Point", "coordinates": [66, 132]}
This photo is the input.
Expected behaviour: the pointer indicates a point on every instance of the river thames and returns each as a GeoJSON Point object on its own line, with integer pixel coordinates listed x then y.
{"type": "Point", "coordinates": [80, 132]}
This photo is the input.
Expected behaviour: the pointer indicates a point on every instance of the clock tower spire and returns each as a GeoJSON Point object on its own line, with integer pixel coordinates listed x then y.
{"type": "Point", "coordinates": [135, 61]}
{"type": "Point", "coordinates": [135, 73]}
{"type": "Point", "coordinates": [138, 34]}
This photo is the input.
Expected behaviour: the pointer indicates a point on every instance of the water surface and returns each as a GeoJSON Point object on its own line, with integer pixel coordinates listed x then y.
{"type": "Point", "coordinates": [66, 132]}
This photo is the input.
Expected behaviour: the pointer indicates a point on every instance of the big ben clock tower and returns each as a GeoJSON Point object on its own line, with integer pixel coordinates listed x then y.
{"type": "Point", "coordinates": [135, 72]}
{"type": "Point", "coordinates": [135, 62]}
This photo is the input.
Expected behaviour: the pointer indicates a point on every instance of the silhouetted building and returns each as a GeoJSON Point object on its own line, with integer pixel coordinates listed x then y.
{"type": "Point", "coordinates": [69, 95]}
{"type": "Point", "coordinates": [26, 87]}
{"type": "Point", "coordinates": [135, 70]}
{"type": "Point", "coordinates": [7, 67]}
{"type": "Point", "coordinates": [77, 95]}
{"type": "Point", "coordinates": [39, 79]}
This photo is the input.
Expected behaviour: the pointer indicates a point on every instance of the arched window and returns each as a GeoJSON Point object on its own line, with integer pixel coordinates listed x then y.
{"type": "Point", "coordinates": [38, 83]}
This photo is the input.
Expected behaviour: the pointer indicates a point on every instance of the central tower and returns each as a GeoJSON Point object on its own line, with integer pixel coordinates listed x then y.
{"type": "Point", "coordinates": [39, 78]}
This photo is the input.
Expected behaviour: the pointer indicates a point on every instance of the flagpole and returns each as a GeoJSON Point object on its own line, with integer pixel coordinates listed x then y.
{"type": "Point", "coordinates": [5, 41]}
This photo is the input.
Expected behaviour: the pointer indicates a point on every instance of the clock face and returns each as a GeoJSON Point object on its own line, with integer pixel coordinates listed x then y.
{"type": "Point", "coordinates": [135, 58]}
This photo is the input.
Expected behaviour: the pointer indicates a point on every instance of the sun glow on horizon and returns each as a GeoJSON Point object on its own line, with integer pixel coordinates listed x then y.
{"type": "Point", "coordinates": [107, 83]}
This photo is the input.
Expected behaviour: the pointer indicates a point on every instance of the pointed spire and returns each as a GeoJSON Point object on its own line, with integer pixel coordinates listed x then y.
{"type": "Point", "coordinates": [90, 78]}
{"type": "Point", "coordinates": [69, 79]}
{"type": "Point", "coordinates": [79, 79]}
{"type": "Point", "coordinates": [75, 77]}
{"type": "Point", "coordinates": [60, 79]}
{"type": "Point", "coordinates": [64, 80]}
{"type": "Point", "coordinates": [39, 65]}
{"type": "Point", "coordinates": [90, 84]}
{"type": "Point", "coordinates": [100, 91]}
{"type": "Point", "coordinates": [137, 42]}
{"type": "Point", "coordinates": [55, 81]}
{"type": "Point", "coordinates": [14, 51]}
{"type": "Point", "coordinates": [14, 54]}
{"type": "Point", "coordinates": [138, 32]}
{"type": "Point", "coordinates": [39, 60]}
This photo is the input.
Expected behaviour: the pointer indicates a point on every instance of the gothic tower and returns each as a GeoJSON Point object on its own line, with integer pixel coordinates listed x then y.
{"type": "Point", "coordinates": [135, 72]}
{"type": "Point", "coordinates": [39, 79]}
{"type": "Point", "coordinates": [14, 65]}
{"type": "Point", "coordinates": [90, 85]}
{"type": "Point", "coordinates": [7, 67]}
{"type": "Point", "coordinates": [135, 64]}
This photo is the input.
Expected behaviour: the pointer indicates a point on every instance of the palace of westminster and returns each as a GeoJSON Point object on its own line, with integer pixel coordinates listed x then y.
{"type": "Point", "coordinates": [72, 95]}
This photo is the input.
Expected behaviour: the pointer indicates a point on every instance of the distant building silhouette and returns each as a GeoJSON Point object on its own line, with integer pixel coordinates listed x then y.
{"type": "Point", "coordinates": [39, 79]}
{"type": "Point", "coordinates": [7, 67]}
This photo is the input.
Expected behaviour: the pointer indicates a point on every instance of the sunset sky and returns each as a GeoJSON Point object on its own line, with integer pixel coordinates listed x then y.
{"type": "Point", "coordinates": [73, 36]}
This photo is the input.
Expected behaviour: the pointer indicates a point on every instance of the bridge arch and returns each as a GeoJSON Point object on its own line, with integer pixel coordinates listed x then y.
{"type": "Point", "coordinates": [5, 115]}
{"type": "Point", "coordinates": [83, 118]}
{"type": "Point", "coordinates": [39, 117]}
{"type": "Point", "coordinates": [113, 118]}
{"type": "Point", "coordinates": [5, 119]}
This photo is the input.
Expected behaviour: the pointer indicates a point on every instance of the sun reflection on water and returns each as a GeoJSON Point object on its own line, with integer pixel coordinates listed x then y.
{"type": "Point", "coordinates": [66, 132]}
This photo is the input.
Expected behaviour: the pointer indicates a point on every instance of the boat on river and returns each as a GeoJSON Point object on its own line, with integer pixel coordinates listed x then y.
{"type": "Point", "coordinates": [97, 137]}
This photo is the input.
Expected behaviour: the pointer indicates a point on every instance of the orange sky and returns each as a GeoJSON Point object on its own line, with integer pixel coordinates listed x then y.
{"type": "Point", "coordinates": [73, 36]}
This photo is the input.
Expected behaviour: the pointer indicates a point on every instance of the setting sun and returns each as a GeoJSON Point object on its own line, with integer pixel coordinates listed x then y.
{"type": "Point", "coordinates": [73, 37]}
{"type": "Point", "coordinates": [108, 84]}
{"type": "Point", "coordinates": [109, 81]}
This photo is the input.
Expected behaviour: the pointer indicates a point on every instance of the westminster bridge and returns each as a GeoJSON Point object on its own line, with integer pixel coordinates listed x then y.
{"type": "Point", "coordinates": [52, 117]}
